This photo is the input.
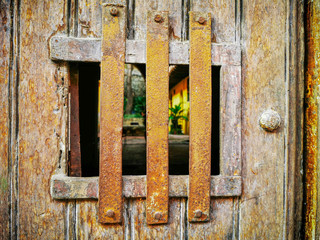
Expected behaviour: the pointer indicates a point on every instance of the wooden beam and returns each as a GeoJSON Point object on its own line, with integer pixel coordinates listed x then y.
{"type": "Point", "coordinates": [65, 187]}
{"type": "Point", "coordinates": [89, 50]}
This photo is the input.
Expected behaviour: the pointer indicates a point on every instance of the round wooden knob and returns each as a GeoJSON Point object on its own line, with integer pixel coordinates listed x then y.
{"type": "Point", "coordinates": [270, 120]}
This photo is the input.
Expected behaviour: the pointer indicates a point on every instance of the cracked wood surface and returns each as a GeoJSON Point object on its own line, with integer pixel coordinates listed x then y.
{"type": "Point", "coordinates": [270, 161]}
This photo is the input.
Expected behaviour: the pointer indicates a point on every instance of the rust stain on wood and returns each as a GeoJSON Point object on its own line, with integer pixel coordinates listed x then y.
{"type": "Point", "coordinates": [89, 50]}
{"type": "Point", "coordinates": [112, 94]}
{"type": "Point", "coordinates": [312, 81]}
{"type": "Point", "coordinates": [200, 117]}
{"type": "Point", "coordinates": [75, 149]}
{"type": "Point", "coordinates": [64, 187]}
{"type": "Point", "coordinates": [157, 88]}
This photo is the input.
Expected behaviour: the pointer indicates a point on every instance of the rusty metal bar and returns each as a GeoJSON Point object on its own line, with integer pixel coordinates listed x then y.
{"type": "Point", "coordinates": [111, 112]}
{"type": "Point", "coordinates": [75, 149]}
{"type": "Point", "coordinates": [157, 87]}
{"type": "Point", "coordinates": [200, 117]}
{"type": "Point", "coordinates": [312, 82]}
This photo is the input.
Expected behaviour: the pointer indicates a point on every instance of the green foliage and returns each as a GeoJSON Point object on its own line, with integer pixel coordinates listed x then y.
{"type": "Point", "coordinates": [139, 105]}
{"type": "Point", "coordinates": [176, 113]}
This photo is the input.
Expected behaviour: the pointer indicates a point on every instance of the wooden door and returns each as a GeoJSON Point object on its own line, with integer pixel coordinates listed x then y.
{"type": "Point", "coordinates": [258, 45]}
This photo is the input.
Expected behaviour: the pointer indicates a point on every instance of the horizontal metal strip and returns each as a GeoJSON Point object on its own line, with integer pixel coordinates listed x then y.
{"type": "Point", "coordinates": [89, 50]}
{"type": "Point", "coordinates": [64, 187]}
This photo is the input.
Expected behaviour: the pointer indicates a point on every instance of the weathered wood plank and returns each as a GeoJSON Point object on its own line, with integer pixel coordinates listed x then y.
{"type": "Point", "coordinates": [89, 22]}
{"type": "Point", "coordinates": [295, 108]}
{"type": "Point", "coordinates": [175, 16]}
{"type": "Point", "coordinates": [5, 82]}
{"type": "Point", "coordinates": [223, 13]}
{"type": "Point", "coordinates": [88, 226]}
{"type": "Point", "coordinates": [75, 148]}
{"type": "Point", "coordinates": [230, 120]}
{"type": "Point", "coordinates": [220, 226]}
{"type": "Point", "coordinates": [264, 86]}
{"type": "Point", "coordinates": [89, 50]}
{"type": "Point", "coordinates": [64, 187]}
{"type": "Point", "coordinates": [41, 121]}
{"type": "Point", "coordinates": [157, 90]}
{"type": "Point", "coordinates": [174, 229]}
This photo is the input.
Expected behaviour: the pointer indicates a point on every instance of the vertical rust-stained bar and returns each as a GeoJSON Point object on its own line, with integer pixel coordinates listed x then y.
{"type": "Point", "coordinates": [157, 117]}
{"type": "Point", "coordinates": [111, 112]}
{"type": "Point", "coordinates": [200, 117]}
{"type": "Point", "coordinates": [312, 81]}
{"type": "Point", "coordinates": [75, 149]}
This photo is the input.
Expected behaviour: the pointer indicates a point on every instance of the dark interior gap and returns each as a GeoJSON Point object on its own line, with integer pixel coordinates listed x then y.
{"type": "Point", "coordinates": [215, 129]}
{"type": "Point", "coordinates": [89, 75]}
{"type": "Point", "coordinates": [134, 143]}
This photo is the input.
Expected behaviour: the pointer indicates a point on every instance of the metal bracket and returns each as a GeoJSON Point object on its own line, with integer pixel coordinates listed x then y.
{"type": "Point", "coordinates": [200, 121]}
{"type": "Point", "coordinates": [157, 87]}
{"type": "Point", "coordinates": [111, 113]}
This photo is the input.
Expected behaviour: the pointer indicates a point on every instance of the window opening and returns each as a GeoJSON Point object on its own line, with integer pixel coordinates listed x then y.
{"type": "Point", "coordinates": [134, 139]}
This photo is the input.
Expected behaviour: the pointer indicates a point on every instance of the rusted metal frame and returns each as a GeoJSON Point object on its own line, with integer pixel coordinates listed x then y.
{"type": "Point", "coordinates": [111, 112]}
{"type": "Point", "coordinates": [312, 82]}
{"type": "Point", "coordinates": [89, 50]}
{"type": "Point", "coordinates": [75, 149]}
{"type": "Point", "coordinates": [200, 117]}
{"type": "Point", "coordinates": [65, 187]}
{"type": "Point", "coordinates": [157, 89]}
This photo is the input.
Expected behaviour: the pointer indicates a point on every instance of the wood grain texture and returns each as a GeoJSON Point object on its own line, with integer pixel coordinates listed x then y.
{"type": "Point", "coordinates": [88, 226]}
{"type": "Point", "coordinates": [89, 50]}
{"type": "Point", "coordinates": [264, 87]}
{"type": "Point", "coordinates": [221, 224]}
{"type": "Point", "coordinates": [295, 107]}
{"type": "Point", "coordinates": [89, 15]}
{"type": "Point", "coordinates": [75, 147]}
{"type": "Point", "coordinates": [230, 120]}
{"type": "Point", "coordinates": [42, 106]}
{"type": "Point", "coordinates": [174, 229]}
{"type": "Point", "coordinates": [5, 166]}
{"type": "Point", "coordinates": [64, 187]}
{"type": "Point", "coordinates": [223, 14]}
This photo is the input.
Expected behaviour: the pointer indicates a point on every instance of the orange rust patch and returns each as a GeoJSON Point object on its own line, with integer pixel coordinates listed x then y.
{"type": "Point", "coordinates": [200, 117]}
{"type": "Point", "coordinates": [111, 118]}
{"type": "Point", "coordinates": [157, 88]}
{"type": "Point", "coordinates": [312, 82]}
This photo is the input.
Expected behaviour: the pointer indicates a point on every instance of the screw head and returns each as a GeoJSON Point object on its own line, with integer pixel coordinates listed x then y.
{"type": "Point", "coordinates": [158, 18]}
{"type": "Point", "coordinates": [270, 120]}
{"type": "Point", "coordinates": [114, 11]}
{"type": "Point", "coordinates": [157, 215]}
{"type": "Point", "coordinates": [197, 213]}
{"type": "Point", "coordinates": [201, 20]}
{"type": "Point", "coordinates": [110, 213]}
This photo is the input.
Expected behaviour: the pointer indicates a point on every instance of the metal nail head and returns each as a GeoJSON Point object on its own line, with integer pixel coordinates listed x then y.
{"type": "Point", "coordinates": [158, 18]}
{"type": "Point", "coordinates": [157, 215]}
{"type": "Point", "coordinates": [110, 213]}
{"type": "Point", "coordinates": [114, 11]}
{"type": "Point", "coordinates": [201, 20]}
{"type": "Point", "coordinates": [197, 213]}
{"type": "Point", "coordinates": [270, 120]}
